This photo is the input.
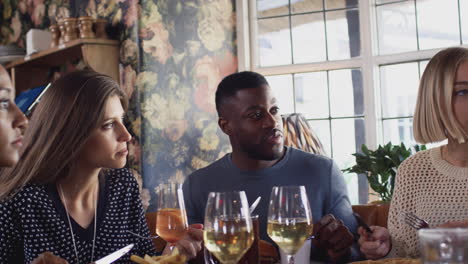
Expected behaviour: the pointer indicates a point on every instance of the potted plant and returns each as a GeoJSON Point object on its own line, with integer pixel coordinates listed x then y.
{"type": "Point", "coordinates": [380, 166]}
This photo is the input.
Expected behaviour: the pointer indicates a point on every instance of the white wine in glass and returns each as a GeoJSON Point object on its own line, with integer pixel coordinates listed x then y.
{"type": "Point", "coordinates": [171, 218]}
{"type": "Point", "coordinates": [289, 219]}
{"type": "Point", "coordinates": [228, 231]}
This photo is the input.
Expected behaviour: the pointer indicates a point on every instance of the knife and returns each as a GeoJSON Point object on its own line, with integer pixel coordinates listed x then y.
{"type": "Point", "coordinates": [254, 205]}
{"type": "Point", "coordinates": [114, 256]}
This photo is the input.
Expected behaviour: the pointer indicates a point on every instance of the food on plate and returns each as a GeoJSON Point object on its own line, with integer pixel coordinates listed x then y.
{"type": "Point", "coordinates": [174, 258]}
{"type": "Point", "coordinates": [48, 258]}
{"type": "Point", "coordinates": [391, 261]}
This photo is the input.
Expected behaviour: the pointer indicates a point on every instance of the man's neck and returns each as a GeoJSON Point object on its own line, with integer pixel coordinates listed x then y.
{"type": "Point", "coordinates": [245, 163]}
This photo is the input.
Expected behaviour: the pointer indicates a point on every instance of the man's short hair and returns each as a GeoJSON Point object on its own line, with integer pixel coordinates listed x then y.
{"type": "Point", "coordinates": [434, 119]}
{"type": "Point", "coordinates": [235, 82]}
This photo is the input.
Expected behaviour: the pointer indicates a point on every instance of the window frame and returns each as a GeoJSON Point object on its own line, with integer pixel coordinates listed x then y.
{"type": "Point", "coordinates": [369, 62]}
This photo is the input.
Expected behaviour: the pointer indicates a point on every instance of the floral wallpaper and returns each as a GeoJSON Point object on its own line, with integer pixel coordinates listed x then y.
{"type": "Point", "coordinates": [173, 55]}
{"type": "Point", "coordinates": [187, 48]}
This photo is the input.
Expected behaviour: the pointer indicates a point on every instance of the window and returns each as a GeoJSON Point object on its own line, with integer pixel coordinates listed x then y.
{"type": "Point", "coordinates": [351, 67]}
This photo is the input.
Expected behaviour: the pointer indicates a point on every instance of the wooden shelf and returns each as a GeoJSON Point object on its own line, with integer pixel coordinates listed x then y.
{"type": "Point", "coordinates": [102, 55]}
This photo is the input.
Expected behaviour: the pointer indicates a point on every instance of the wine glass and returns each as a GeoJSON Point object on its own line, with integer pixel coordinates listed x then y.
{"type": "Point", "coordinates": [289, 219]}
{"type": "Point", "coordinates": [228, 231]}
{"type": "Point", "coordinates": [171, 217]}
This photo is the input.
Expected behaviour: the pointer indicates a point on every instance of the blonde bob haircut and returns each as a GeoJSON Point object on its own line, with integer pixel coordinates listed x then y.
{"type": "Point", "coordinates": [434, 119]}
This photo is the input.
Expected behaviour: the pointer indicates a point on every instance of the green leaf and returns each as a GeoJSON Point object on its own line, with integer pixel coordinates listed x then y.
{"type": "Point", "coordinates": [380, 166]}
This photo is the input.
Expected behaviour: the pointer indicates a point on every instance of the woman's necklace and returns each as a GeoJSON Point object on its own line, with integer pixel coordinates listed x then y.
{"type": "Point", "coordinates": [71, 229]}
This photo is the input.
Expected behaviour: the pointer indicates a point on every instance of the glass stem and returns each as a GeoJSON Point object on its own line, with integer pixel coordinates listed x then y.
{"type": "Point", "coordinates": [171, 247]}
{"type": "Point", "coordinates": [290, 259]}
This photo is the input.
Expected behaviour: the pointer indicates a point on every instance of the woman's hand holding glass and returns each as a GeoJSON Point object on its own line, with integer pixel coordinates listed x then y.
{"type": "Point", "coordinates": [228, 227]}
{"type": "Point", "coordinates": [191, 244]}
{"type": "Point", "coordinates": [289, 219]}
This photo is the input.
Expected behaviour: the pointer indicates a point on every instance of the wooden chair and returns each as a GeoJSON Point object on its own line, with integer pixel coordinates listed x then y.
{"type": "Point", "coordinates": [373, 214]}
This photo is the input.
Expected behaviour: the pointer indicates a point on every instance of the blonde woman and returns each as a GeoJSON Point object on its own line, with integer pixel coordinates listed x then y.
{"type": "Point", "coordinates": [12, 123]}
{"type": "Point", "coordinates": [432, 184]}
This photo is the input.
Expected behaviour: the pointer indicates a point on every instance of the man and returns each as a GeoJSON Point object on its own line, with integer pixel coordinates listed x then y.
{"type": "Point", "coordinates": [249, 115]}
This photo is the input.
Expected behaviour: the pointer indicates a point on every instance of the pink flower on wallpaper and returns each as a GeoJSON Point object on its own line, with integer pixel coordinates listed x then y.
{"type": "Point", "coordinates": [23, 6]}
{"type": "Point", "coordinates": [146, 33]}
{"type": "Point", "coordinates": [227, 63]}
{"type": "Point", "coordinates": [175, 130]}
{"type": "Point", "coordinates": [158, 46]}
{"type": "Point", "coordinates": [128, 80]}
{"type": "Point", "coordinates": [38, 14]}
{"type": "Point", "coordinates": [36, 10]}
{"type": "Point", "coordinates": [206, 77]}
{"type": "Point", "coordinates": [208, 72]}
{"type": "Point", "coordinates": [131, 14]}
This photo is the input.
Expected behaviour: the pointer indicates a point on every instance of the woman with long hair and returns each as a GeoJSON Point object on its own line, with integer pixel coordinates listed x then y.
{"type": "Point", "coordinates": [12, 123]}
{"type": "Point", "coordinates": [432, 184]}
{"type": "Point", "coordinates": [69, 194]}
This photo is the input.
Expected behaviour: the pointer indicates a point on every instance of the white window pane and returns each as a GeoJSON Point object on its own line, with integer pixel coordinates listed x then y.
{"type": "Point", "coordinates": [335, 4]}
{"type": "Point", "coordinates": [344, 135]}
{"type": "Point", "coordinates": [422, 67]}
{"type": "Point", "coordinates": [308, 34]}
{"type": "Point", "coordinates": [396, 27]}
{"type": "Point", "coordinates": [464, 20]}
{"type": "Point", "coordinates": [398, 131]}
{"type": "Point", "coordinates": [351, 180]}
{"type": "Point", "coordinates": [438, 24]}
{"type": "Point", "coordinates": [340, 25]}
{"type": "Point", "coordinates": [266, 8]}
{"type": "Point", "coordinates": [282, 87]}
{"type": "Point", "coordinates": [274, 41]}
{"type": "Point", "coordinates": [311, 93]}
{"type": "Point", "coordinates": [321, 128]}
{"type": "Point", "coordinates": [302, 6]}
{"type": "Point", "coordinates": [399, 88]}
{"type": "Point", "coordinates": [390, 1]}
{"type": "Point", "coordinates": [346, 94]}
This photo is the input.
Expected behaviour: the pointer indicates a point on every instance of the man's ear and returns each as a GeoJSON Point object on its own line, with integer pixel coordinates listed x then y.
{"type": "Point", "coordinates": [224, 125]}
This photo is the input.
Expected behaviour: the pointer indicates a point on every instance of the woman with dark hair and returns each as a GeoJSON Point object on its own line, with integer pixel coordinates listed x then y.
{"type": "Point", "coordinates": [69, 194]}
{"type": "Point", "coordinates": [12, 123]}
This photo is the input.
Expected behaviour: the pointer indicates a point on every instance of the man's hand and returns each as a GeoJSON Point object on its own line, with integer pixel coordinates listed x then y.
{"type": "Point", "coordinates": [332, 235]}
{"type": "Point", "coordinates": [191, 244]}
{"type": "Point", "coordinates": [375, 245]}
{"type": "Point", "coordinates": [48, 258]}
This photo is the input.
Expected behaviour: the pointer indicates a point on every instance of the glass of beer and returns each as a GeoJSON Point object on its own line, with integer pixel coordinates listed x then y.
{"type": "Point", "coordinates": [171, 219]}
{"type": "Point", "coordinates": [289, 219]}
{"type": "Point", "coordinates": [228, 233]}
